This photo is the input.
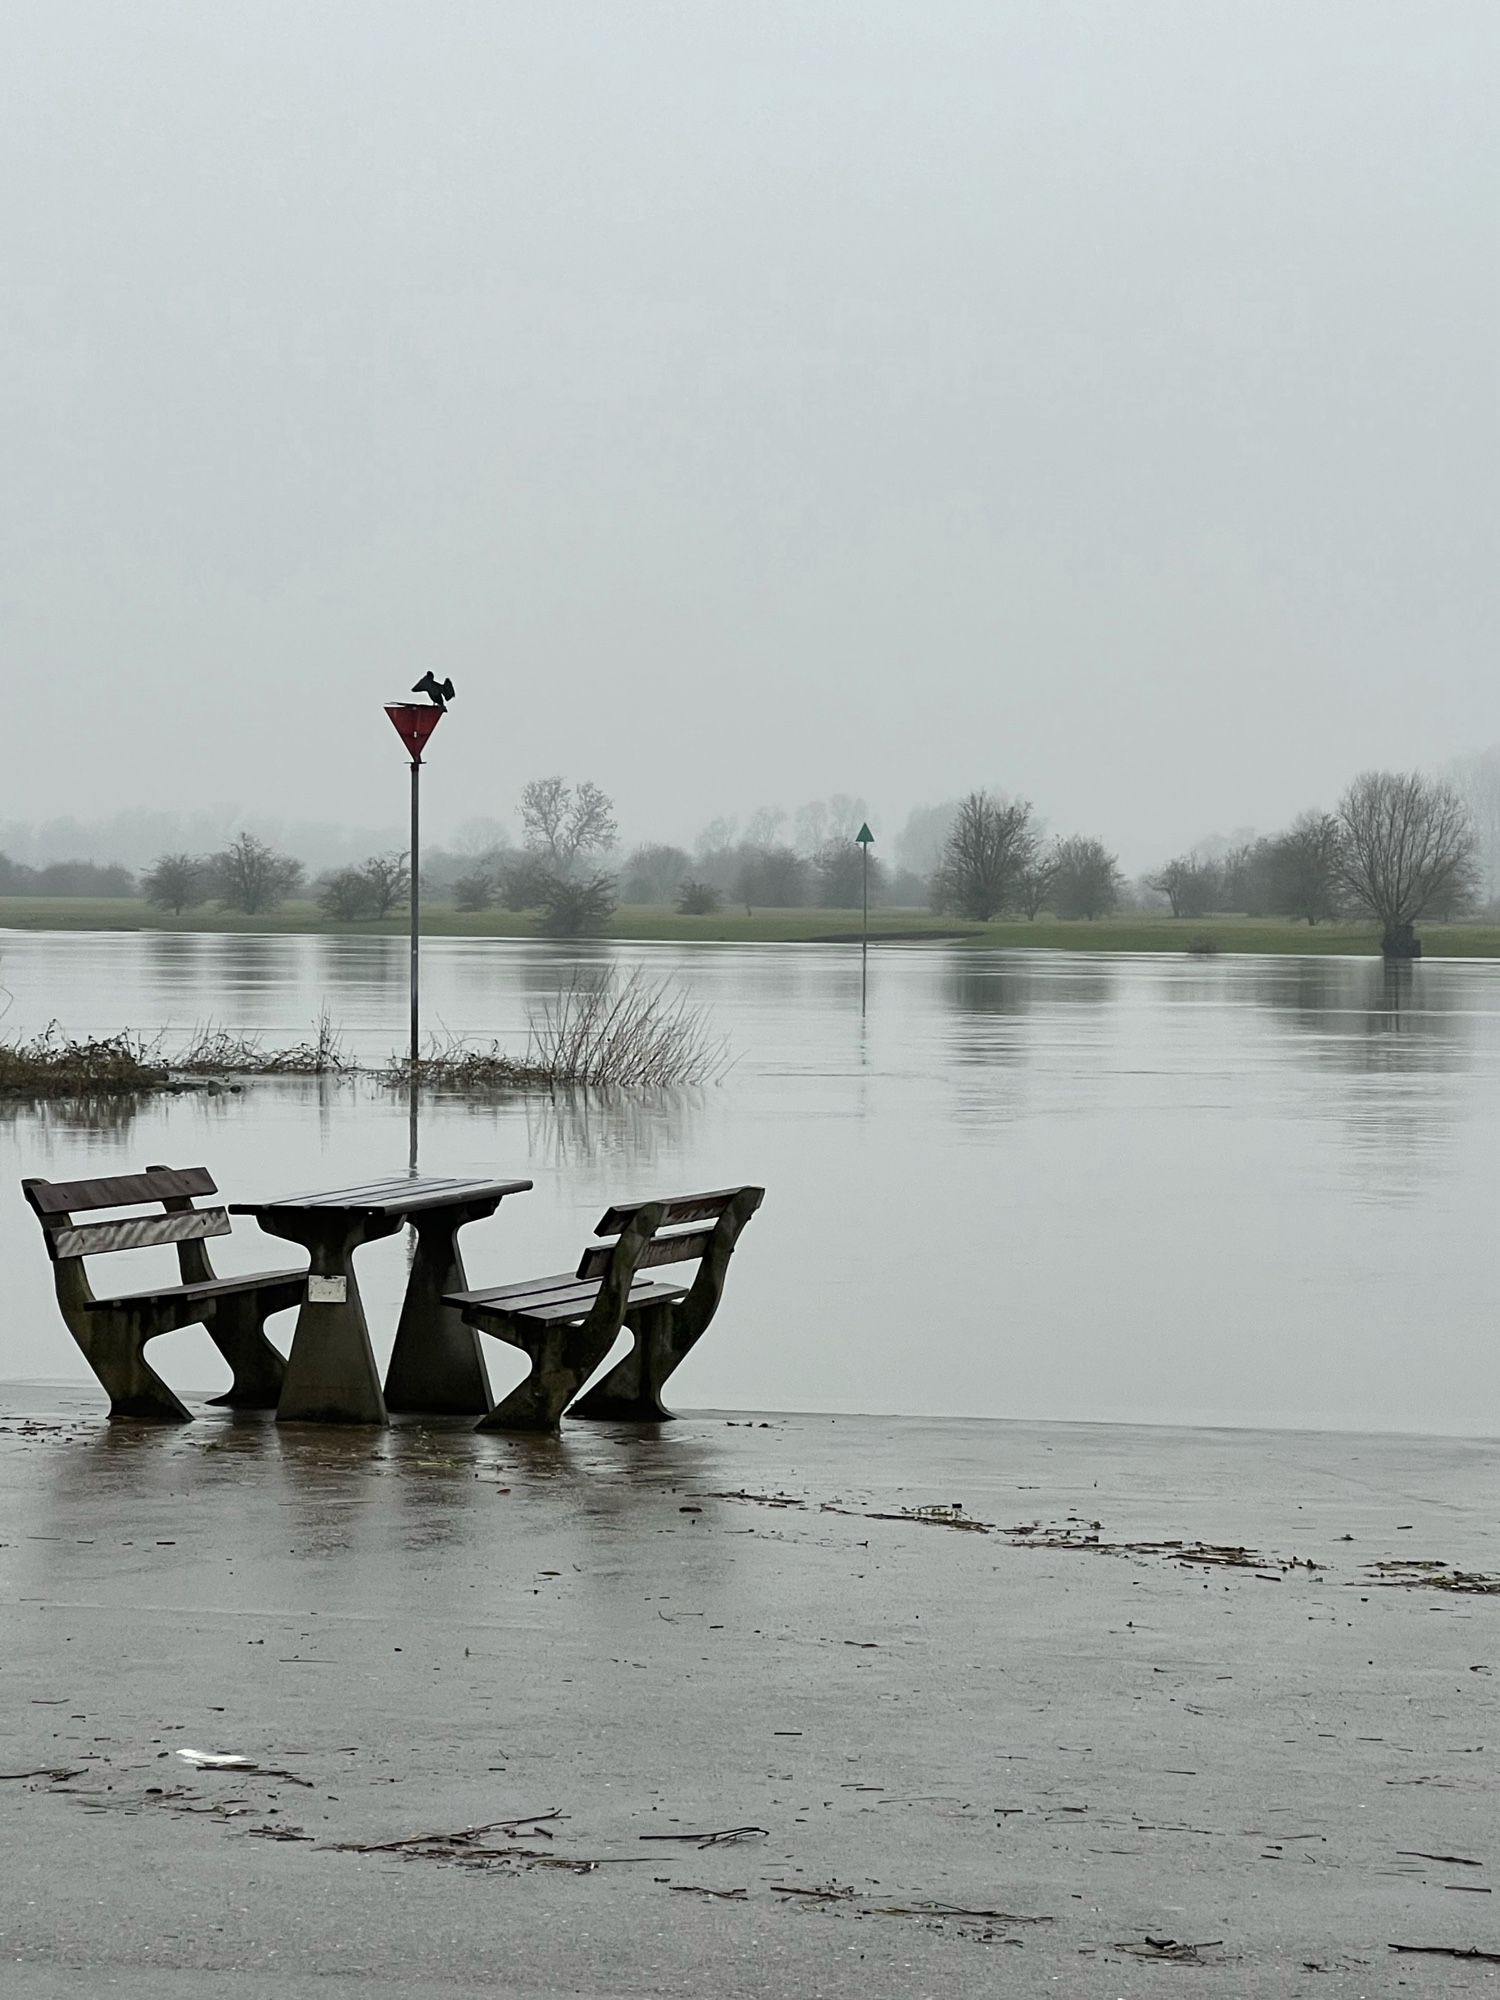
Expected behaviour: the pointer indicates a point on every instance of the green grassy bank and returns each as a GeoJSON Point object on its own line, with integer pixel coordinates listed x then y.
{"type": "Point", "coordinates": [1123, 933]}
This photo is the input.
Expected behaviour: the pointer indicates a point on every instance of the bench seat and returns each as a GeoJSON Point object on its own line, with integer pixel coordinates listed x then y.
{"type": "Point", "coordinates": [567, 1324]}
{"type": "Point", "coordinates": [212, 1288]}
{"type": "Point", "coordinates": [113, 1332]}
{"type": "Point", "coordinates": [555, 1301]}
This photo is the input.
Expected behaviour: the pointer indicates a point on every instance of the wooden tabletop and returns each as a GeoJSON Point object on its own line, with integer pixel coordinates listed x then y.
{"type": "Point", "coordinates": [396, 1195]}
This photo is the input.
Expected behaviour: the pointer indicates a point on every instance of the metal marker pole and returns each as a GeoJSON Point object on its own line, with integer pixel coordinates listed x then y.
{"type": "Point", "coordinates": [414, 724]}
{"type": "Point", "coordinates": [416, 911]}
{"type": "Point", "coordinates": [864, 942]}
{"type": "Point", "coordinates": [416, 930]}
{"type": "Point", "coordinates": [864, 837]}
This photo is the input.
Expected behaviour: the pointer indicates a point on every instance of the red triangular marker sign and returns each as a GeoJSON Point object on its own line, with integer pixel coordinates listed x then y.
{"type": "Point", "coordinates": [414, 722]}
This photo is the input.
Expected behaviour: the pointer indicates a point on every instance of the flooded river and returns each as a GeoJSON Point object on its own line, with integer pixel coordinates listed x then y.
{"type": "Point", "coordinates": [1247, 1191]}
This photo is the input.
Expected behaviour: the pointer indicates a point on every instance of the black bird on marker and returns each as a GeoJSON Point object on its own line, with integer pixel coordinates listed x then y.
{"type": "Point", "coordinates": [439, 693]}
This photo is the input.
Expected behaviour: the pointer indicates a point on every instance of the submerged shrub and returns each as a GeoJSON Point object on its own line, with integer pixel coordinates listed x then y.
{"type": "Point", "coordinates": [53, 1064]}
{"type": "Point", "coordinates": [625, 1034]}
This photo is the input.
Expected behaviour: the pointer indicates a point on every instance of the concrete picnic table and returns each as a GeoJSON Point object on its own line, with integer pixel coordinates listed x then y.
{"type": "Point", "coordinates": [436, 1365]}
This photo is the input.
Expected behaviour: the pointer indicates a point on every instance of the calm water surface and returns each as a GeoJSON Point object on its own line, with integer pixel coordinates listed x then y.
{"type": "Point", "coordinates": [1235, 1191]}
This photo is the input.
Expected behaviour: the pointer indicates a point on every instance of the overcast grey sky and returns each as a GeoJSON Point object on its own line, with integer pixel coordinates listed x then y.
{"type": "Point", "coordinates": [744, 402]}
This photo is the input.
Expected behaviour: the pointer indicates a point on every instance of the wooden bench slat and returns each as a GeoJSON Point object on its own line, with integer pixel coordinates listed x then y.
{"type": "Point", "coordinates": [660, 1250]}
{"type": "Point", "coordinates": [565, 1298]}
{"type": "Point", "coordinates": [118, 1191]}
{"type": "Point", "coordinates": [531, 1288]}
{"type": "Point", "coordinates": [211, 1289]}
{"type": "Point", "coordinates": [676, 1208]}
{"type": "Point", "coordinates": [645, 1291]}
{"type": "Point", "coordinates": [135, 1232]}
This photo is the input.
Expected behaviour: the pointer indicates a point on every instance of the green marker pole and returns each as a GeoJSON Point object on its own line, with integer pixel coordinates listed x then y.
{"type": "Point", "coordinates": [865, 838]}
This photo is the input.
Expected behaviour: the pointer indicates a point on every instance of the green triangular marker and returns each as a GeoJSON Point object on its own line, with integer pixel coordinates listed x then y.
{"type": "Point", "coordinates": [864, 836]}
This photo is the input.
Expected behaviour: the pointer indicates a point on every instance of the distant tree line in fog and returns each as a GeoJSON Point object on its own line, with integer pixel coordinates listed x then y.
{"type": "Point", "coordinates": [65, 878]}
{"type": "Point", "coordinates": [1397, 848]}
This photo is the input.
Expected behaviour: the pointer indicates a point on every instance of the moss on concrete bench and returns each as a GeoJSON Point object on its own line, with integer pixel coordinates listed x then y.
{"type": "Point", "coordinates": [568, 1323]}
{"type": "Point", "coordinates": [113, 1332]}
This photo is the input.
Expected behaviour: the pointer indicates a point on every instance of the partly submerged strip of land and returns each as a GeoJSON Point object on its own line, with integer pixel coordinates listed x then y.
{"type": "Point", "coordinates": [1128, 931]}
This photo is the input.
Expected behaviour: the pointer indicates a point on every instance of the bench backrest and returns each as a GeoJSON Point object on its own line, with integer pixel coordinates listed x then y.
{"type": "Point", "coordinates": [728, 1209]}
{"type": "Point", "coordinates": [55, 1203]}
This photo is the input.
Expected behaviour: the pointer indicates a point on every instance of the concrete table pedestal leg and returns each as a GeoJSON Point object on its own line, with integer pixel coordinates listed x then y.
{"type": "Point", "coordinates": [436, 1363]}
{"type": "Point", "coordinates": [331, 1377]}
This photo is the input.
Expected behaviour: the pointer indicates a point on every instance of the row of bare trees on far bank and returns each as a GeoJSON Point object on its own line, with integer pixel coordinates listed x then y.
{"type": "Point", "coordinates": [1398, 848]}
{"type": "Point", "coordinates": [562, 871]}
{"type": "Point", "coordinates": [253, 878]}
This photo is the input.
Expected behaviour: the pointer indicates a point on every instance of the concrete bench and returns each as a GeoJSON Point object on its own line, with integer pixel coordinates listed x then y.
{"type": "Point", "coordinates": [567, 1324]}
{"type": "Point", "coordinates": [113, 1332]}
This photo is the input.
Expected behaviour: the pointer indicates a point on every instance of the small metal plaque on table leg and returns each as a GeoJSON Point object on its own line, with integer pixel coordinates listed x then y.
{"type": "Point", "coordinates": [327, 1291]}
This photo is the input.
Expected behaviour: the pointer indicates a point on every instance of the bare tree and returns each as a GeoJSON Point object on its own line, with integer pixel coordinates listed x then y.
{"type": "Point", "coordinates": [990, 847]}
{"type": "Point", "coordinates": [474, 890]}
{"type": "Point", "coordinates": [840, 876]}
{"type": "Point", "coordinates": [345, 895]}
{"type": "Point", "coordinates": [389, 881]}
{"type": "Point", "coordinates": [814, 824]}
{"type": "Point", "coordinates": [250, 875]}
{"type": "Point", "coordinates": [1190, 886]}
{"type": "Point", "coordinates": [580, 907]}
{"type": "Point", "coordinates": [1408, 851]}
{"type": "Point", "coordinates": [1034, 890]}
{"type": "Point", "coordinates": [716, 836]}
{"type": "Point", "coordinates": [522, 881]}
{"type": "Point", "coordinates": [765, 826]}
{"type": "Point", "coordinates": [562, 822]}
{"type": "Point", "coordinates": [771, 878]}
{"type": "Point", "coordinates": [174, 882]}
{"type": "Point", "coordinates": [1304, 868]}
{"type": "Point", "coordinates": [654, 874]}
{"type": "Point", "coordinates": [1087, 880]}
{"type": "Point", "coordinates": [847, 813]}
{"type": "Point", "coordinates": [1244, 872]}
{"type": "Point", "coordinates": [811, 826]}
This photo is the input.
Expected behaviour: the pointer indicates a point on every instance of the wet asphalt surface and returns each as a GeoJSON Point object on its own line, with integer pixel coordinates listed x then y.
{"type": "Point", "coordinates": [968, 1708]}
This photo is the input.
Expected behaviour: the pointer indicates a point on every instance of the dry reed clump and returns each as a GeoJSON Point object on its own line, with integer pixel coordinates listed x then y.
{"type": "Point", "coordinates": [609, 1031]}
{"type": "Point", "coordinates": [53, 1064]}
{"type": "Point", "coordinates": [605, 1032]}
{"type": "Point", "coordinates": [456, 1065]}
{"type": "Point", "coordinates": [216, 1052]}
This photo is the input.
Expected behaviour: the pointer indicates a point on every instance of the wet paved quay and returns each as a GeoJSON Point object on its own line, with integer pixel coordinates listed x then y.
{"type": "Point", "coordinates": [958, 1708]}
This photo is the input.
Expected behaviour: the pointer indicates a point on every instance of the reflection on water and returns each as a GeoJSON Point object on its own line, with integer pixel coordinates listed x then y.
{"type": "Point", "coordinates": [1232, 1190]}
{"type": "Point", "coordinates": [1403, 1037]}
{"type": "Point", "coordinates": [986, 987]}
{"type": "Point", "coordinates": [990, 1000]}
{"type": "Point", "coordinates": [1365, 1015]}
{"type": "Point", "coordinates": [588, 1132]}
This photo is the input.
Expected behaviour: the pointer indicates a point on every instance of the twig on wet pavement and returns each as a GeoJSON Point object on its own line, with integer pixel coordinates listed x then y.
{"type": "Point", "coordinates": [1471, 1951]}
{"type": "Point", "coordinates": [463, 1836]}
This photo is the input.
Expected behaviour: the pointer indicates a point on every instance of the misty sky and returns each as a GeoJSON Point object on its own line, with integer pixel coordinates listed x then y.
{"type": "Point", "coordinates": [746, 402]}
